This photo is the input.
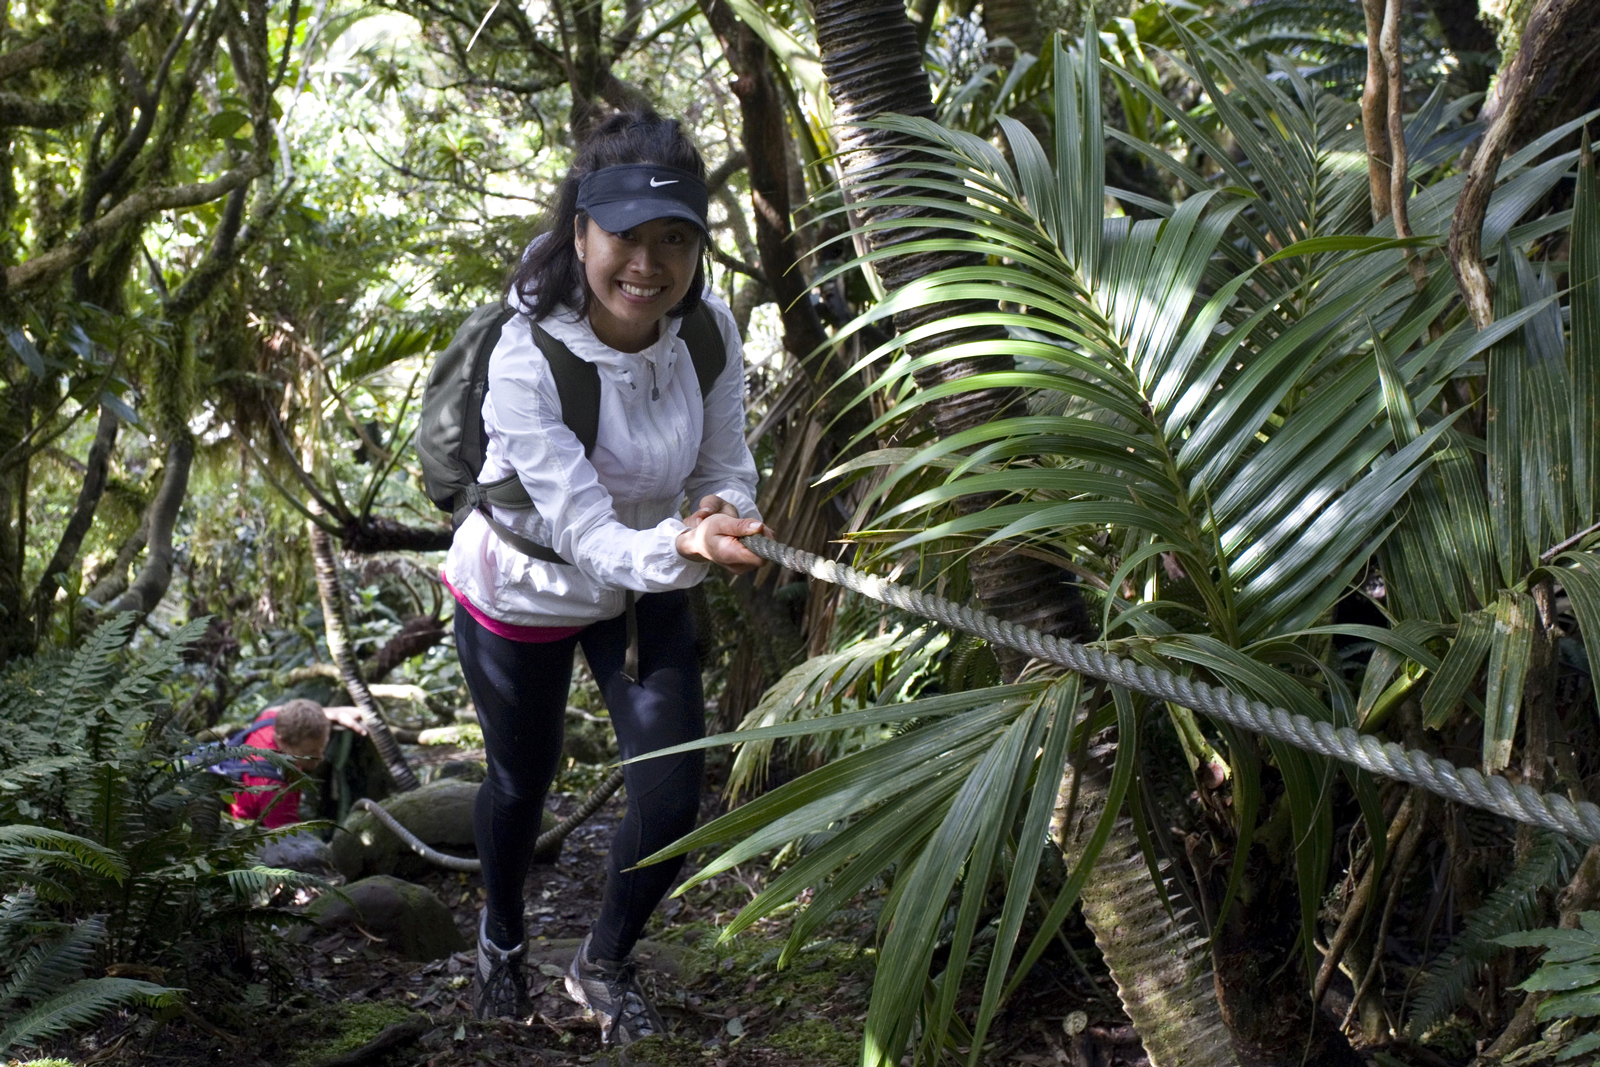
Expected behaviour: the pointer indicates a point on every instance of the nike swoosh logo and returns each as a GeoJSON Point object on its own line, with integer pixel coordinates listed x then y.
{"type": "Point", "coordinates": [656, 185]}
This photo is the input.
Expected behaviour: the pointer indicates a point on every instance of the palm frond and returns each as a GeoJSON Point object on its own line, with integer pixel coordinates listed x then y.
{"type": "Point", "coordinates": [823, 683]}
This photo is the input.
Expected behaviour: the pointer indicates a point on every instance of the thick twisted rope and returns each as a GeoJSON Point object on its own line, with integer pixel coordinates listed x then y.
{"type": "Point", "coordinates": [1461, 784]}
{"type": "Point", "coordinates": [556, 834]}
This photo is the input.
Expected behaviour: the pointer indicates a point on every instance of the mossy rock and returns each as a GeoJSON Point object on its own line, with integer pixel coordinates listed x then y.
{"type": "Point", "coordinates": [440, 813]}
{"type": "Point", "coordinates": [413, 922]}
{"type": "Point", "coordinates": [333, 1030]}
{"type": "Point", "coordinates": [588, 738]}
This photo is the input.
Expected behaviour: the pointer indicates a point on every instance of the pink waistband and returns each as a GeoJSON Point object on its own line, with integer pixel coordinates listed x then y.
{"type": "Point", "coordinates": [533, 635]}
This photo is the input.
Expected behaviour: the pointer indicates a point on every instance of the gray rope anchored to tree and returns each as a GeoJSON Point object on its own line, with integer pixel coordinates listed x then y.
{"type": "Point", "coordinates": [1462, 784]}
{"type": "Point", "coordinates": [553, 836]}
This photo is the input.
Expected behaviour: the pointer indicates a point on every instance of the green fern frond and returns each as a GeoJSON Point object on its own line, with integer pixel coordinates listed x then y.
{"type": "Point", "coordinates": [81, 1004]}
{"type": "Point", "coordinates": [28, 774]}
{"type": "Point", "coordinates": [58, 848]}
{"type": "Point", "coordinates": [20, 919]}
{"type": "Point", "coordinates": [128, 698]}
{"type": "Point", "coordinates": [17, 909]}
{"type": "Point", "coordinates": [48, 968]}
{"type": "Point", "coordinates": [1510, 908]}
{"type": "Point", "coordinates": [1569, 971]}
{"type": "Point", "coordinates": [91, 668]}
{"type": "Point", "coordinates": [261, 881]}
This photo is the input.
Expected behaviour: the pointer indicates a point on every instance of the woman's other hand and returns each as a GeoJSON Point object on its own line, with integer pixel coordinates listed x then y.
{"type": "Point", "coordinates": [714, 538]}
{"type": "Point", "coordinates": [710, 505]}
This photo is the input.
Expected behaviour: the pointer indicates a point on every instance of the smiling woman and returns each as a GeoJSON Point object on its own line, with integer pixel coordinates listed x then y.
{"type": "Point", "coordinates": [602, 559]}
{"type": "Point", "coordinates": [635, 275]}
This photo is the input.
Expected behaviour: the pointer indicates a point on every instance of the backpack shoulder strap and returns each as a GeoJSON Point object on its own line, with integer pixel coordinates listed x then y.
{"type": "Point", "coordinates": [484, 325]}
{"type": "Point", "coordinates": [264, 719]}
{"type": "Point", "coordinates": [707, 350]}
{"type": "Point", "coordinates": [577, 384]}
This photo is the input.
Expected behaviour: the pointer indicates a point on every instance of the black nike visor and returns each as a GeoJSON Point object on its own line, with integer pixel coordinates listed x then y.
{"type": "Point", "coordinates": [621, 197]}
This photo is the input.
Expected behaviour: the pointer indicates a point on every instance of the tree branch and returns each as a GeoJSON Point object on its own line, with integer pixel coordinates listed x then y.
{"type": "Point", "coordinates": [45, 266]}
{"type": "Point", "coordinates": [331, 592]}
{"type": "Point", "coordinates": [1374, 112]}
{"type": "Point", "coordinates": [1399, 165]}
{"type": "Point", "coordinates": [19, 110]}
{"type": "Point", "coordinates": [89, 494]}
{"type": "Point", "coordinates": [61, 48]}
{"type": "Point", "coordinates": [101, 183]}
{"type": "Point", "coordinates": [155, 578]}
{"type": "Point", "coordinates": [385, 535]}
{"type": "Point", "coordinates": [1552, 30]}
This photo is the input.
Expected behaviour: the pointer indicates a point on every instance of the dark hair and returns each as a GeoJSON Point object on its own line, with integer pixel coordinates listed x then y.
{"type": "Point", "coordinates": [550, 273]}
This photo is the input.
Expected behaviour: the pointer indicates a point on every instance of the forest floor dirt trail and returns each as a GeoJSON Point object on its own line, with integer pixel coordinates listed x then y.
{"type": "Point", "coordinates": [347, 999]}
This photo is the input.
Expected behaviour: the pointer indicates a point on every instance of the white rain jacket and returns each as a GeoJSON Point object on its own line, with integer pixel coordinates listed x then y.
{"type": "Point", "coordinates": [615, 514]}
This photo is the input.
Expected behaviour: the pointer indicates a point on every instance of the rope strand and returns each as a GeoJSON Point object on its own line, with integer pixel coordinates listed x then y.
{"type": "Point", "coordinates": [1461, 784]}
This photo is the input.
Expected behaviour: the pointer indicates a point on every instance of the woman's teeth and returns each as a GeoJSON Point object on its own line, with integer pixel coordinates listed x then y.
{"type": "Point", "coordinates": [638, 290]}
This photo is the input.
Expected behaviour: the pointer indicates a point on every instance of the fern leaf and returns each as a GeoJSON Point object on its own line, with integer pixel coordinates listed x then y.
{"type": "Point", "coordinates": [81, 1004]}
{"type": "Point", "coordinates": [29, 774]}
{"type": "Point", "coordinates": [261, 881]}
{"type": "Point", "coordinates": [1511, 907]}
{"type": "Point", "coordinates": [19, 920]}
{"type": "Point", "coordinates": [17, 909]}
{"type": "Point", "coordinates": [90, 669]}
{"type": "Point", "coordinates": [146, 677]}
{"type": "Point", "coordinates": [61, 849]}
{"type": "Point", "coordinates": [46, 969]}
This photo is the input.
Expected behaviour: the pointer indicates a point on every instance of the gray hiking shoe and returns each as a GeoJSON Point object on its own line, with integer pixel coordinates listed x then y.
{"type": "Point", "coordinates": [502, 984]}
{"type": "Point", "coordinates": [611, 990]}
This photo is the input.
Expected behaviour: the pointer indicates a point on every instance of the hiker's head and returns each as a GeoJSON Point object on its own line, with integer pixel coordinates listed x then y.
{"type": "Point", "coordinates": [641, 186]}
{"type": "Point", "coordinates": [301, 729]}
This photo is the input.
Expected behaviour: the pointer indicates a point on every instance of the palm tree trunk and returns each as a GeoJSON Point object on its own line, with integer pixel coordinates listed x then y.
{"type": "Point", "coordinates": [873, 66]}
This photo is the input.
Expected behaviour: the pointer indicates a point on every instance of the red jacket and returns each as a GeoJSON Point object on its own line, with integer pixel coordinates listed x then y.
{"type": "Point", "coordinates": [280, 805]}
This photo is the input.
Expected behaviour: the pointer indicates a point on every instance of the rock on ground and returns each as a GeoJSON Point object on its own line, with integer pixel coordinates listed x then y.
{"type": "Point", "coordinates": [413, 922]}
{"type": "Point", "coordinates": [303, 851]}
{"type": "Point", "coordinates": [440, 813]}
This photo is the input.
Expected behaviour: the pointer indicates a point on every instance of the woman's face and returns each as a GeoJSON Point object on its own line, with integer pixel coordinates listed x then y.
{"type": "Point", "coordinates": [635, 277]}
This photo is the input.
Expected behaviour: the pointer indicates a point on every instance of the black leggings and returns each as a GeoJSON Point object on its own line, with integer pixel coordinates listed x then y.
{"type": "Point", "coordinates": [520, 690]}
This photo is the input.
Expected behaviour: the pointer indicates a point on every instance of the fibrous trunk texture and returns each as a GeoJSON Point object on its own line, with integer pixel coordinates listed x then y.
{"type": "Point", "coordinates": [874, 67]}
{"type": "Point", "coordinates": [1159, 963]}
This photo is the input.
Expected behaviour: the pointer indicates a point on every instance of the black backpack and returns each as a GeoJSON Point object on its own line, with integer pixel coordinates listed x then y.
{"type": "Point", "coordinates": [450, 435]}
{"type": "Point", "coordinates": [237, 767]}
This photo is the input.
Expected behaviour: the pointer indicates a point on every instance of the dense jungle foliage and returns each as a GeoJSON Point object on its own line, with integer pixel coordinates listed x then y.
{"type": "Point", "coordinates": [1255, 341]}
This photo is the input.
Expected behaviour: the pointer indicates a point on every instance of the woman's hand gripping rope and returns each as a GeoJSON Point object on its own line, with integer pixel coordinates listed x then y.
{"type": "Point", "coordinates": [714, 536]}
